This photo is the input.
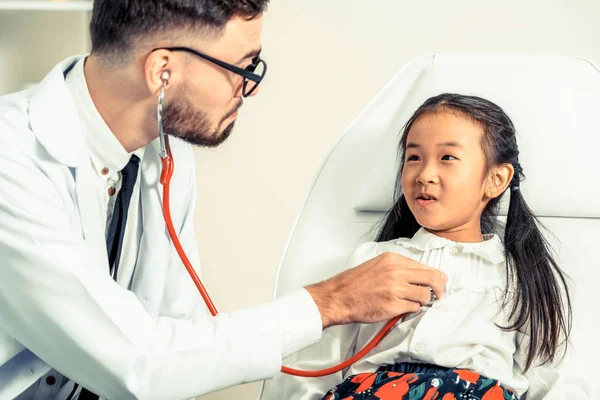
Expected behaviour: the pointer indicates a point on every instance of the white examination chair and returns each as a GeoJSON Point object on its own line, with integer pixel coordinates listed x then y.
{"type": "Point", "coordinates": [555, 105]}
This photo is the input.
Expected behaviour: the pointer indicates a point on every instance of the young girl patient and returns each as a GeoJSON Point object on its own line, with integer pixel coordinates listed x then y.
{"type": "Point", "coordinates": [506, 308]}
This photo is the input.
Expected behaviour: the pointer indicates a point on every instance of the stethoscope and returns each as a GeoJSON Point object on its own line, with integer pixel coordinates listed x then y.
{"type": "Point", "coordinates": [168, 166]}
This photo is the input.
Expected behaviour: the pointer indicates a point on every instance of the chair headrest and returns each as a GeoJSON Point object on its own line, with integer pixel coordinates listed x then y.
{"type": "Point", "coordinates": [554, 103]}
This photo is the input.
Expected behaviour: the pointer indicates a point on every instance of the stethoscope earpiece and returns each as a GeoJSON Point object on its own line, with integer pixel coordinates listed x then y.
{"type": "Point", "coordinates": [161, 134]}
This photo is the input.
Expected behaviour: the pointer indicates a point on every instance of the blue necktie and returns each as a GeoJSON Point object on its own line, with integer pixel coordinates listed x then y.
{"type": "Point", "coordinates": [114, 238]}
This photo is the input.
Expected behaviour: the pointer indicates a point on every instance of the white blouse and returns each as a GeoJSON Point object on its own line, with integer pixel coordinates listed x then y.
{"type": "Point", "coordinates": [459, 330]}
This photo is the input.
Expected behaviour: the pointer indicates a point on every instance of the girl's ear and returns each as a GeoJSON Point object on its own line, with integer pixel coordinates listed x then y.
{"type": "Point", "coordinates": [499, 178]}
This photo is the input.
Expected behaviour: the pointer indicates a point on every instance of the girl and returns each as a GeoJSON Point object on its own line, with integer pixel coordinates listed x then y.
{"type": "Point", "coordinates": [506, 308]}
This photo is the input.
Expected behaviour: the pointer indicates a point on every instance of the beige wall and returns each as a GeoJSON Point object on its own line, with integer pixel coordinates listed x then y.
{"type": "Point", "coordinates": [32, 42]}
{"type": "Point", "coordinates": [327, 59]}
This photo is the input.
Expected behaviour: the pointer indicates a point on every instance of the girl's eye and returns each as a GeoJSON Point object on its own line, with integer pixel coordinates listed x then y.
{"type": "Point", "coordinates": [445, 158]}
{"type": "Point", "coordinates": [412, 158]}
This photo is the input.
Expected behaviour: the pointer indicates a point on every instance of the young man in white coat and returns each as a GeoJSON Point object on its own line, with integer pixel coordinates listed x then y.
{"type": "Point", "coordinates": [94, 299]}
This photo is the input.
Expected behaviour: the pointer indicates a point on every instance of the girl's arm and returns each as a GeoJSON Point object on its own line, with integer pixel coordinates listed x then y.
{"type": "Point", "coordinates": [558, 380]}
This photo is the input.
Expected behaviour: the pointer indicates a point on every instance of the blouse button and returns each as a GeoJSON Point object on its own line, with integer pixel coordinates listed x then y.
{"type": "Point", "coordinates": [419, 347]}
{"type": "Point", "coordinates": [454, 251]}
{"type": "Point", "coordinates": [441, 308]}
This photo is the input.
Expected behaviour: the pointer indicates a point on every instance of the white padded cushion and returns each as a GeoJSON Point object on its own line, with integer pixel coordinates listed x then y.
{"type": "Point", "coordinates": [554, 106]}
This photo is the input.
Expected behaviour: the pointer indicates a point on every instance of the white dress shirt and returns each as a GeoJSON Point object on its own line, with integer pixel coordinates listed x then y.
{"type": "Point", "coordinates": [459, 330]}
{"type": "Point", "coordinates": [108, 158]}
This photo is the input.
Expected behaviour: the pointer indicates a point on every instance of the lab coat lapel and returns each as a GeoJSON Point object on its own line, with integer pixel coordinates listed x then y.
{"type": "Point", "coordinates": [55, 122]}
{"type": "Point", "coordinates": [90, 206]}
{"type": "Point", "coordinates": [53, 116]}
{"type": "Point", "coordinates": [153, 259]}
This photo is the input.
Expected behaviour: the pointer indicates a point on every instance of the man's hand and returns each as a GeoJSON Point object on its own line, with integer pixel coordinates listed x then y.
{"type": "Point", "coordinates": [377, 290]}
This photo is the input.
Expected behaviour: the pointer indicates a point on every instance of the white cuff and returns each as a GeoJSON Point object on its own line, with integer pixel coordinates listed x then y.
{"type": "Point", "coordinates": [300, 321]}
{"type": "Point", "coordinates": [270, 332]}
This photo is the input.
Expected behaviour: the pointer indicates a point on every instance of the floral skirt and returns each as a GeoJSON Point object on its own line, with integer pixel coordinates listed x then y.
{"type": "Point", "coordinates": [409, 381]}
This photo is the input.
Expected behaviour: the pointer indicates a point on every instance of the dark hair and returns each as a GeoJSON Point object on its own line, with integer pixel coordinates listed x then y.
{"type": "Point", "coordinates": [539, 283]}
{"type": "Point", "coordinates": [116, 24]}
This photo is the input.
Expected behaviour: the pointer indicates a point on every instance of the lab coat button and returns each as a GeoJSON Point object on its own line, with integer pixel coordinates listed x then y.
{"type": "Point", "coordinates": [419, 347]}
{"type": "Point", "coordinates": [104, 171]}
{"type": "Point", "coordinates": [112, 191]}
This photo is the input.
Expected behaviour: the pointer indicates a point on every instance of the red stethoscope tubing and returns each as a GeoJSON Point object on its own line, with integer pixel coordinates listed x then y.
{"type": "Point", "coordinates": [165, 179]}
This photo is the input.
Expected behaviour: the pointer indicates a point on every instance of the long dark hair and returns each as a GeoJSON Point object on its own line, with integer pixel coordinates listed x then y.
{"type": "Point", "coordinates": [541, 300]}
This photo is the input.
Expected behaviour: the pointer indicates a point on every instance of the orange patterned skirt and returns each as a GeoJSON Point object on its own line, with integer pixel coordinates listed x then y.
{"type": "Point", "coordinates": [420, 382]}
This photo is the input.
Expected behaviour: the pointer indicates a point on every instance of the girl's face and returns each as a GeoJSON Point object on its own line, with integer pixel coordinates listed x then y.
{"type": "Point", "coordinates": [443, 178]}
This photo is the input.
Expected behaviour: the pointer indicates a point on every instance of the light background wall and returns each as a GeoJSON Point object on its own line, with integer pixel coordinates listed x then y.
{"type": "Point", "coordinates": [327, 59]}
{"type": "Point", "coordinates": [32, 42]}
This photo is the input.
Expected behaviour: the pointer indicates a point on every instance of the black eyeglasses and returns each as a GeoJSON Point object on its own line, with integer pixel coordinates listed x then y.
{"type": "Point", "coordinates": [253, 74]}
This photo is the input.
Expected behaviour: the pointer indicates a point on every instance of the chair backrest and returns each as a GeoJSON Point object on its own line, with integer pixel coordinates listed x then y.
{"type": "Point", "coordinates": [554, 103]}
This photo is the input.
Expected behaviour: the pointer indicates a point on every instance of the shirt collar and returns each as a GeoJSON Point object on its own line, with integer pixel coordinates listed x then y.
{"type": "Point", "coordinates": [491, 249]}
{"type": "Point", "coordinates": [105, 149]}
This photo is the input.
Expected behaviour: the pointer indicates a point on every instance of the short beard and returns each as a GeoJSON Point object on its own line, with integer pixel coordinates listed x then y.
{"type": "Point", "coordinates": [182, 120]}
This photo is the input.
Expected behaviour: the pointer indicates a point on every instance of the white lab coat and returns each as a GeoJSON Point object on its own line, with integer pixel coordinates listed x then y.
{"type": "Point", "coordinates": [57, 301]}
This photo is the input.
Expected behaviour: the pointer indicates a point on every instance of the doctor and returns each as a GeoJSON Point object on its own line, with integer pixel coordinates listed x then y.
{"type": "Point", "coordinates": [94, 300]}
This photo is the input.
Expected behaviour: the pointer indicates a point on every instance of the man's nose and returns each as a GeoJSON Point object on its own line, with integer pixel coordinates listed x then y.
{"type": "Point", "coordinates": [240, 89]}
{"type": "Point", "coordinates": [255, 91]}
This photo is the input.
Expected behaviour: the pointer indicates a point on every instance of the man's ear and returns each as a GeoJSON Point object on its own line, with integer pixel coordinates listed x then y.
{"type": "Point", "coordinates": [158, 66]}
